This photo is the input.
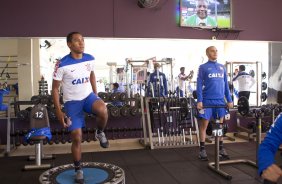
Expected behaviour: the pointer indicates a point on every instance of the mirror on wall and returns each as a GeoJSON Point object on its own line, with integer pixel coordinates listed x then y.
{"type": "Point", "coordinates": [184, 53]}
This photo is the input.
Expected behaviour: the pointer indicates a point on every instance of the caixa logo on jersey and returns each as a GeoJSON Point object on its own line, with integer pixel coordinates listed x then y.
{"type": "Point", "coordinates": [215, 75]}
{"type": "Point", "coordinates": [80, 81]}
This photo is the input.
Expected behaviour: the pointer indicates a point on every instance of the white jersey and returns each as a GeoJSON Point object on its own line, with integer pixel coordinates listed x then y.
{"type": "Point", "coordinates": [75, 76]}
{"type": "Point", "coordinates": [245, 81]}
{"type": "Point", "coordinates": [181, 81]}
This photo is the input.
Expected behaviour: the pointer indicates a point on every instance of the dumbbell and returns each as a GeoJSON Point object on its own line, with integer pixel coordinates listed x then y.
{"type": "Point", "coordinates": [31, 142]}
{"type": "Point", "coordinates": [124, 132]}
{"type": "Point", "coordinates": [17, 138]}
{"type": "Point", "coordinates": [115, 97]}
{"type": "Point", "coordinates": [123, 96]}
{"type": "Point", "coordinates": [22, 115]}
{"type": "Point", "coordinates": [104, 96]}
{"type": "Point", "coordinates": [24, 132]}
{"type": "Point", "coordinates": [63, 138]}
{"type": "Point", "coordinates": [265, 126]}
{"type": "Point", "coordinates": [83, 135]}
{"type": "Point", "coordinates": [68, 136]}
{"type": "Point", "coordinates": [51, 142]}
{"type": "Point", "coordinates": [124, 110]}
{"type": "Point", "coordinates": [51, 113]}
{"type": "Point", "coordinates": [35, 99]}
{"type": "Point", "coordinates": [252, 125]}
{"type": "Point", "coordinates": [119, 132]}
{"type": "Point", "coordinates": [44, 99]}
{"type": "Point", "coordinates": [45, 141]}
{"type": "Point", "coordinates": [56, 133]}
{"type": "Point", "coordinates": [133, 110]}
{"type": "Point", "coordinates": [88, 131]}
{"type": "Point", "coordinates": [113, 133]}
{"type": "Point", "coordinates": [113, 110]}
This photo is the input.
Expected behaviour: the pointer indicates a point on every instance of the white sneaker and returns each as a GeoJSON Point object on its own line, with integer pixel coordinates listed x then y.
{"type": "Point", "coordinates": [104, 143]}
{"type": "Point", "coordinates": [79, 177]}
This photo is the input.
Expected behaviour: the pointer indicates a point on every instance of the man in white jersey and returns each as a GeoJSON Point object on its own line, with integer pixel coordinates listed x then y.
{"type": "Point", "coordinates": [245, 82]}
{"type": "Point", "coordinates": [75, 73]}
{"type": "Point", "coordinates": [182, 77]}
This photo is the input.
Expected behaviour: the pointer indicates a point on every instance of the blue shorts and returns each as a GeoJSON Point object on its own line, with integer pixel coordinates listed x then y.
{"type": "Point", "coordinates": [75, 110]}
{"type": "Point", "coordinates": [207, 113]}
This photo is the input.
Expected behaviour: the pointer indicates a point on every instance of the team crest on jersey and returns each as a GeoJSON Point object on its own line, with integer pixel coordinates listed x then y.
{"type": "Point", "coordinates": [88, 68]}
{"type": "Point", "coordinates": [221, 67]}
{"type": "Point", "coordinates": [56, 67]}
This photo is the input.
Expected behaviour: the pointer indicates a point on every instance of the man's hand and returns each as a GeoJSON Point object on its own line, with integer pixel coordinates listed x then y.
{"type": "Point", "coordinates": [63, 119]}
{"type": "Point", "coordinates": [200, 105]}
{"type": "Point", "coordinates": [230, 105]}
{"type": "Point", "coordinates": [272, 173]}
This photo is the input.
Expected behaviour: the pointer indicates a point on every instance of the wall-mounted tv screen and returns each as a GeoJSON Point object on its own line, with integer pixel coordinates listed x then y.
{"type": "Point", "coordinates": [205, 13]}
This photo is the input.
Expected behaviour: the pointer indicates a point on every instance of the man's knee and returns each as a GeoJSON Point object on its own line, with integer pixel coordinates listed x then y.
{"type": "Point", "coordinates": [100, 109]}
{"type": "Point", "coordinates": [76, 137]}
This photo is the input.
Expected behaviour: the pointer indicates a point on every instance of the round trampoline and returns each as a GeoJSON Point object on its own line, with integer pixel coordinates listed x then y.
{"type": "Point", "coordinates": [94, 172]}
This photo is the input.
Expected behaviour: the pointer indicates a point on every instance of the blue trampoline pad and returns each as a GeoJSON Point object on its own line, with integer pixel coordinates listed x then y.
{"type": "Point", "coordinates": [91, 175]}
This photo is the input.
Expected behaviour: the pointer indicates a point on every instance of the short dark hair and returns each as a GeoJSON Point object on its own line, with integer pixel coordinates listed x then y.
{"type": "Point", "coordinates": [182, 68]}
{"type": "Point", "coordinates": [69, 36]}
{"type": "Point", "coordinates": [116, 85]}
{"type": "Point", "coordinates": [242, 67]}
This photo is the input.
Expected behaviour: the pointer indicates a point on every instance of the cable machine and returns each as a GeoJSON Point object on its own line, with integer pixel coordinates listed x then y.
{"type": "Point", "coordinates": [256, 67]}
{"type": "Point", "coordinates": [136, 73]}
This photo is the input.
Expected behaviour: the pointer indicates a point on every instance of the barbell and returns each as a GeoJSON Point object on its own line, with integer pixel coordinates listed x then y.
{"type": "Point", "coordinates": [243, 104]}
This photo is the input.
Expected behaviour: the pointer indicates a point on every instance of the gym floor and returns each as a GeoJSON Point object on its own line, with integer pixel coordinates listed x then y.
{"type": "Point", "coordinates": [162, 166]}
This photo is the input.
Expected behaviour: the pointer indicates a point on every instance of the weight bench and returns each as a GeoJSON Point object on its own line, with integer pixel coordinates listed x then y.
{"type": "Point", "coordinates": [38, 119]}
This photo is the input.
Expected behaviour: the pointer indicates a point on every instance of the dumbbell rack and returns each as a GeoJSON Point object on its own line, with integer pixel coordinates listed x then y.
{"type": "Point", "coordinates": [155, 140]}
{"type": "Point", "coordinates": [250, 134]}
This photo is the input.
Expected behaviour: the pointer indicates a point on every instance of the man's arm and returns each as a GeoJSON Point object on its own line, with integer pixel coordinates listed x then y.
{"type": "Point", "coordinates": [56, 99]}
{"type": "Point", "coordinates": [253, 81]}
{"type": "Point", "coordinates": [93, 82]}
{"type": "Point", "coordinates": [270, 145]}
{"type": "Point", "coordinates": [200, 84]}
{"type": "Point", "coordinates": [165, 84]}
{"type": "Point", "coordinates": [227, 91]}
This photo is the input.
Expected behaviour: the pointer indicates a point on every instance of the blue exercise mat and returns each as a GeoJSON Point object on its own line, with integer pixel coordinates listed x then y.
{"type": "Point", "coordinates": [91, 175]}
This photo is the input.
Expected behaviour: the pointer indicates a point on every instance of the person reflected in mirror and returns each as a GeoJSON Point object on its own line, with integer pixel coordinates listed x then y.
{"type": "Point", "coordinates": [182, 78]}
{"type": "Point", "coordinates": [116, 89]}
{"type": "Point", "coordinates": [157, 85]}
{"type": "Point", "coordinates": [100, 86]}
{"type": "Point", "coordinates": [244, 82]}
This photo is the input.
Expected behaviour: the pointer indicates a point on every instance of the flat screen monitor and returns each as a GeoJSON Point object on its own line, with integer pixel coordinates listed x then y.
{"type": "Point", "coordinates": [205, 13]}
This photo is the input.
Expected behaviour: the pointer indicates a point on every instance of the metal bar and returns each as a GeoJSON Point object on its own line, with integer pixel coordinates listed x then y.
{"type": "Point", "coordinates": [159, 137]}
{"type": "Point", "coordinates": [197, 130]}
{"type": "Point", "coordinates": [8, 144]}
{"type": "Point", "coordinates": [149, 123]}
{"type": "Point", "coordinates": [258, 136]}
{"type": "Point", "coordinates": [144, 120]}
{"type": "Point", "coordinates": [38, 153]}
{"type": "Point", "coordinates": [216, 152]}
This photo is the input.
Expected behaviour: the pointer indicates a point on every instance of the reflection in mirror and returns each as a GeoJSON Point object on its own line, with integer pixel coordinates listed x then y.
{"type": "Point", "coordinates": [36, 58]}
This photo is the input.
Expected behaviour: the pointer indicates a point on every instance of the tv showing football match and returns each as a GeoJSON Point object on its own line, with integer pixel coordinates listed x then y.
{"type": "Point", "coordinates": [205, 13]}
